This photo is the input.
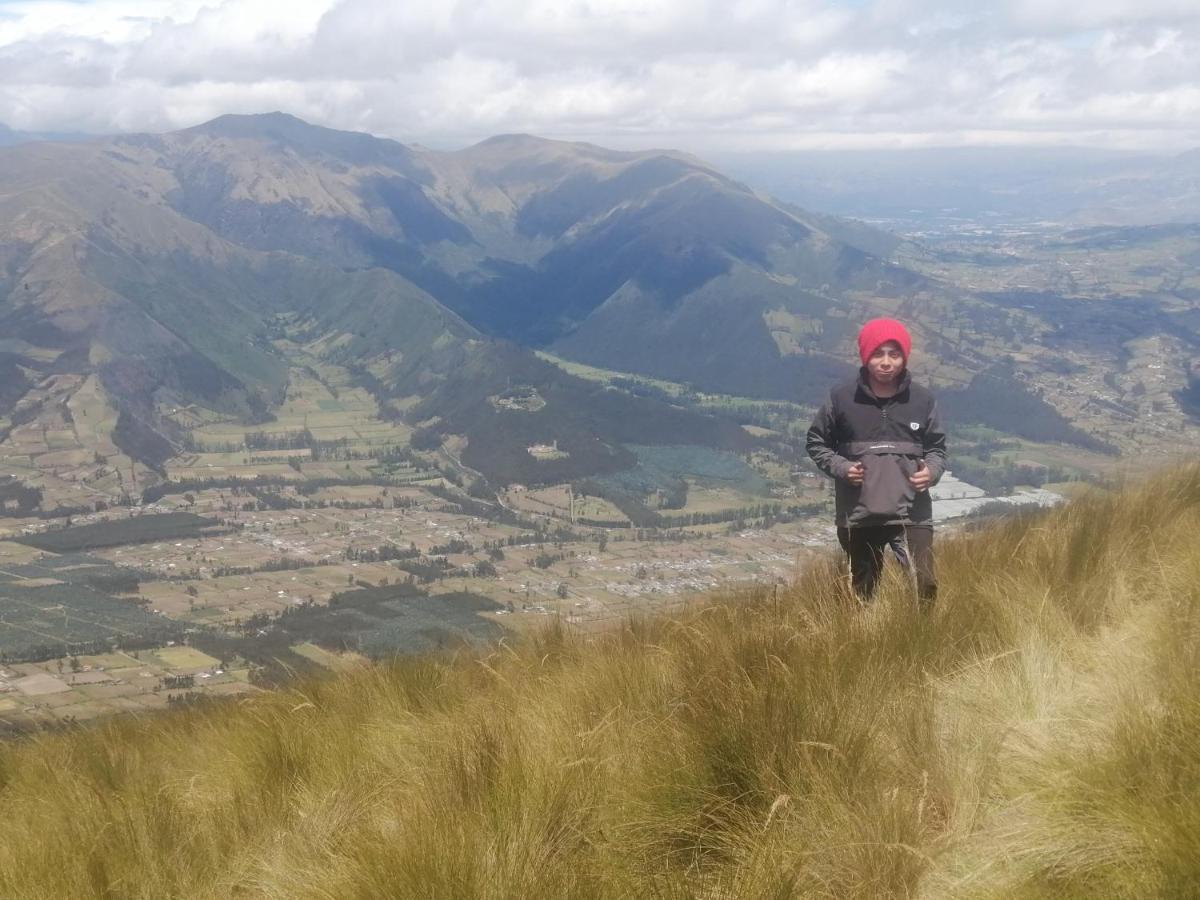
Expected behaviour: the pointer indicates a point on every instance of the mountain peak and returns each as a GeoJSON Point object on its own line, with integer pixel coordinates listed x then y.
{"type": "Point", "coordinates": [531, 144]}
{"type": "Point", "coordinates": [511, 151]}
{"type": "Point", "coordinates": [255, 125]}
{"type": "Point", "coordinates": [288, 130]}
{"type": "Point", "coordinates": [516, 137]}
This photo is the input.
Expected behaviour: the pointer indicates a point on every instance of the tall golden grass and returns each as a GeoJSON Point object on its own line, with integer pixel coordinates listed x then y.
{"type": "Point", "coordinates": [1036, 734]}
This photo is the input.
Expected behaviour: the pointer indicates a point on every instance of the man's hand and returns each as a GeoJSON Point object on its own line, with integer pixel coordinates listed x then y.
{"type": "Point", "coordinates": [855, 473]}
{"type": "Point", "coordinates": [921, 478]}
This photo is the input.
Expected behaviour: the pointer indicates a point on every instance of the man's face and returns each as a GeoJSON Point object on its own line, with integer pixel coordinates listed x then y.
{"type": "Point", "coordinates": [886, 363]}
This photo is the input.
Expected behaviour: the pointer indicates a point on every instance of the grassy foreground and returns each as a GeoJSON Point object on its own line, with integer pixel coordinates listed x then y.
{"type": "Point", "coordinates": [1036, 735]}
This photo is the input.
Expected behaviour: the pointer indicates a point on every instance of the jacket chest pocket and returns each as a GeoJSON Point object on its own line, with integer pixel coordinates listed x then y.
{"type": "Point", "coordinates": [894, 421]}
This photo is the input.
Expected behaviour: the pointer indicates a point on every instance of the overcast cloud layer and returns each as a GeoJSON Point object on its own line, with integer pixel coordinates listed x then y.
{"type": "Point", "coordinates": [699, 74]}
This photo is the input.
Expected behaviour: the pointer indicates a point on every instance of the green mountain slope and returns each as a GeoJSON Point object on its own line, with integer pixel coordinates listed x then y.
{"type": "Point", "coordinates": [168, 267]}
{"type": "Point", "coordinates": [530, 239]}
{"type": "Point", "coordinates": [650, 262]}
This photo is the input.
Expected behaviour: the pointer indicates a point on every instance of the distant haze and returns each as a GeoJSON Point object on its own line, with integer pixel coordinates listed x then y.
{"type": "Point", "coordinates": [707, 77]}
{"type": "Point", "coordinates": [918, 189]}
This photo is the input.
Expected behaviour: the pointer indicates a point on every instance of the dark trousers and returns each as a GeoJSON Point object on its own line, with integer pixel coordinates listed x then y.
{"type": "Point", "coordinates": [912, 545]}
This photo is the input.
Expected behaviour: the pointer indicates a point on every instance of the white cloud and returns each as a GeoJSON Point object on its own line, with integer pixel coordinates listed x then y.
{"type": "Point", "coordinates": [684, 72]}
{"type": "Point", "coordinates": [1073, 15]}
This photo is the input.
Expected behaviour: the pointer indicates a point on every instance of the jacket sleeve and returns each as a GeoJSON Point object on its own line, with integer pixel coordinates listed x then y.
{"type": "Point", "coordinates": [821, 443]}
{"type": "Point", "coordinates": [935, 444]}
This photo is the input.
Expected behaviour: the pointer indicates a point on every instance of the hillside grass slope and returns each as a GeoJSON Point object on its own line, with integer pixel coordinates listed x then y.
{"type": "Point", "coordinates": [1035, 735]}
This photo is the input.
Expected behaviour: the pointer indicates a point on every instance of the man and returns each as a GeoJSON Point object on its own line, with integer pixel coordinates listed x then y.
{"type": "Point", "coordinates": [880, 439]}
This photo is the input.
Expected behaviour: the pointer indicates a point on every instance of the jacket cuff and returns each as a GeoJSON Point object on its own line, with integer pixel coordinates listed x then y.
{"type": "Point", "coordinates": [936, 468]}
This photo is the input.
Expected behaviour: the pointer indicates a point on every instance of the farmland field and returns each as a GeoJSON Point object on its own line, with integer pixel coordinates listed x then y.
{"type": "Point", "coordinates": [184, 658]}
{"type": "Point", "coordinates": [333, 661]}
{"type": "Point", "coordinates": [59, 605]}
{"type": "Point", "coordinates": [56, 620]}
{"type": "Point", "coordinates": [114, 533]}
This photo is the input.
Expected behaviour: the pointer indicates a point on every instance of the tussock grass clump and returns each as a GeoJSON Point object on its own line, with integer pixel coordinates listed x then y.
{"type": "Point", "coordinates": [1035, 734]}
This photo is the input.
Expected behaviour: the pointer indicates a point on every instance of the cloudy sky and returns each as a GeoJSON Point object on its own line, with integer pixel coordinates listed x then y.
{"type": "Point", "coordinates": [699, 74]}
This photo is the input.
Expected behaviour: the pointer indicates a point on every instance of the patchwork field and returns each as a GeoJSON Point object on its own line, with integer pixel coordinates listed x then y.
{"type": "Point", "coordinates": [80, 688]}
{"type": "Point", "coordinates": [59, 437]}
{"type": "Point", "coordinates": [320, 399]}
{"type": "Point", "coordinates": [57, 604]}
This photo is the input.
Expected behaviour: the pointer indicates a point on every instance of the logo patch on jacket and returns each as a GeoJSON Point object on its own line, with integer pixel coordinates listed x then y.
{"type": "Point", "coordinates": [914, 425]}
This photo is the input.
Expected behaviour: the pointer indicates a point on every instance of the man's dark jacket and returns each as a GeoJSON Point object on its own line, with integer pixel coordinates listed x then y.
{"type": "Point", "coordinates": [890, 436]}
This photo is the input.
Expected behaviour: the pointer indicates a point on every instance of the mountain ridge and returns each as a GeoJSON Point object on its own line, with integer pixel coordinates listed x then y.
{"type": "Point", "coordinates": [643, 261]}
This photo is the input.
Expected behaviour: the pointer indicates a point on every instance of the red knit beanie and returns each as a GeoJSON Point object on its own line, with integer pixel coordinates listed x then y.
{"type": "Point", "coordinates": [880, 331]}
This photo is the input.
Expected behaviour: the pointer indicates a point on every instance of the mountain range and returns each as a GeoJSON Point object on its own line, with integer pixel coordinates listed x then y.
{"type": "Point", "coordinates": [165, 264]}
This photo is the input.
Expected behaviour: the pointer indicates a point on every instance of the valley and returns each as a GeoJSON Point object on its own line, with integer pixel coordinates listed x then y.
{"type": "Point", "coordinates": [260, 551]}
{"type": "Point", "coordinates": [276, 399]}
{"type": "Point", "coordinates": [1113, 318]}
{"type": "Point", "coordinates": [324, 538]}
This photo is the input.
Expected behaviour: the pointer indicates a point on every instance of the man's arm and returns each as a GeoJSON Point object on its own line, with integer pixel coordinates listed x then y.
{"type": "Point", "coordinates": [821, 443]}
{"type": "Point", "coordinates": [935, 445]}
